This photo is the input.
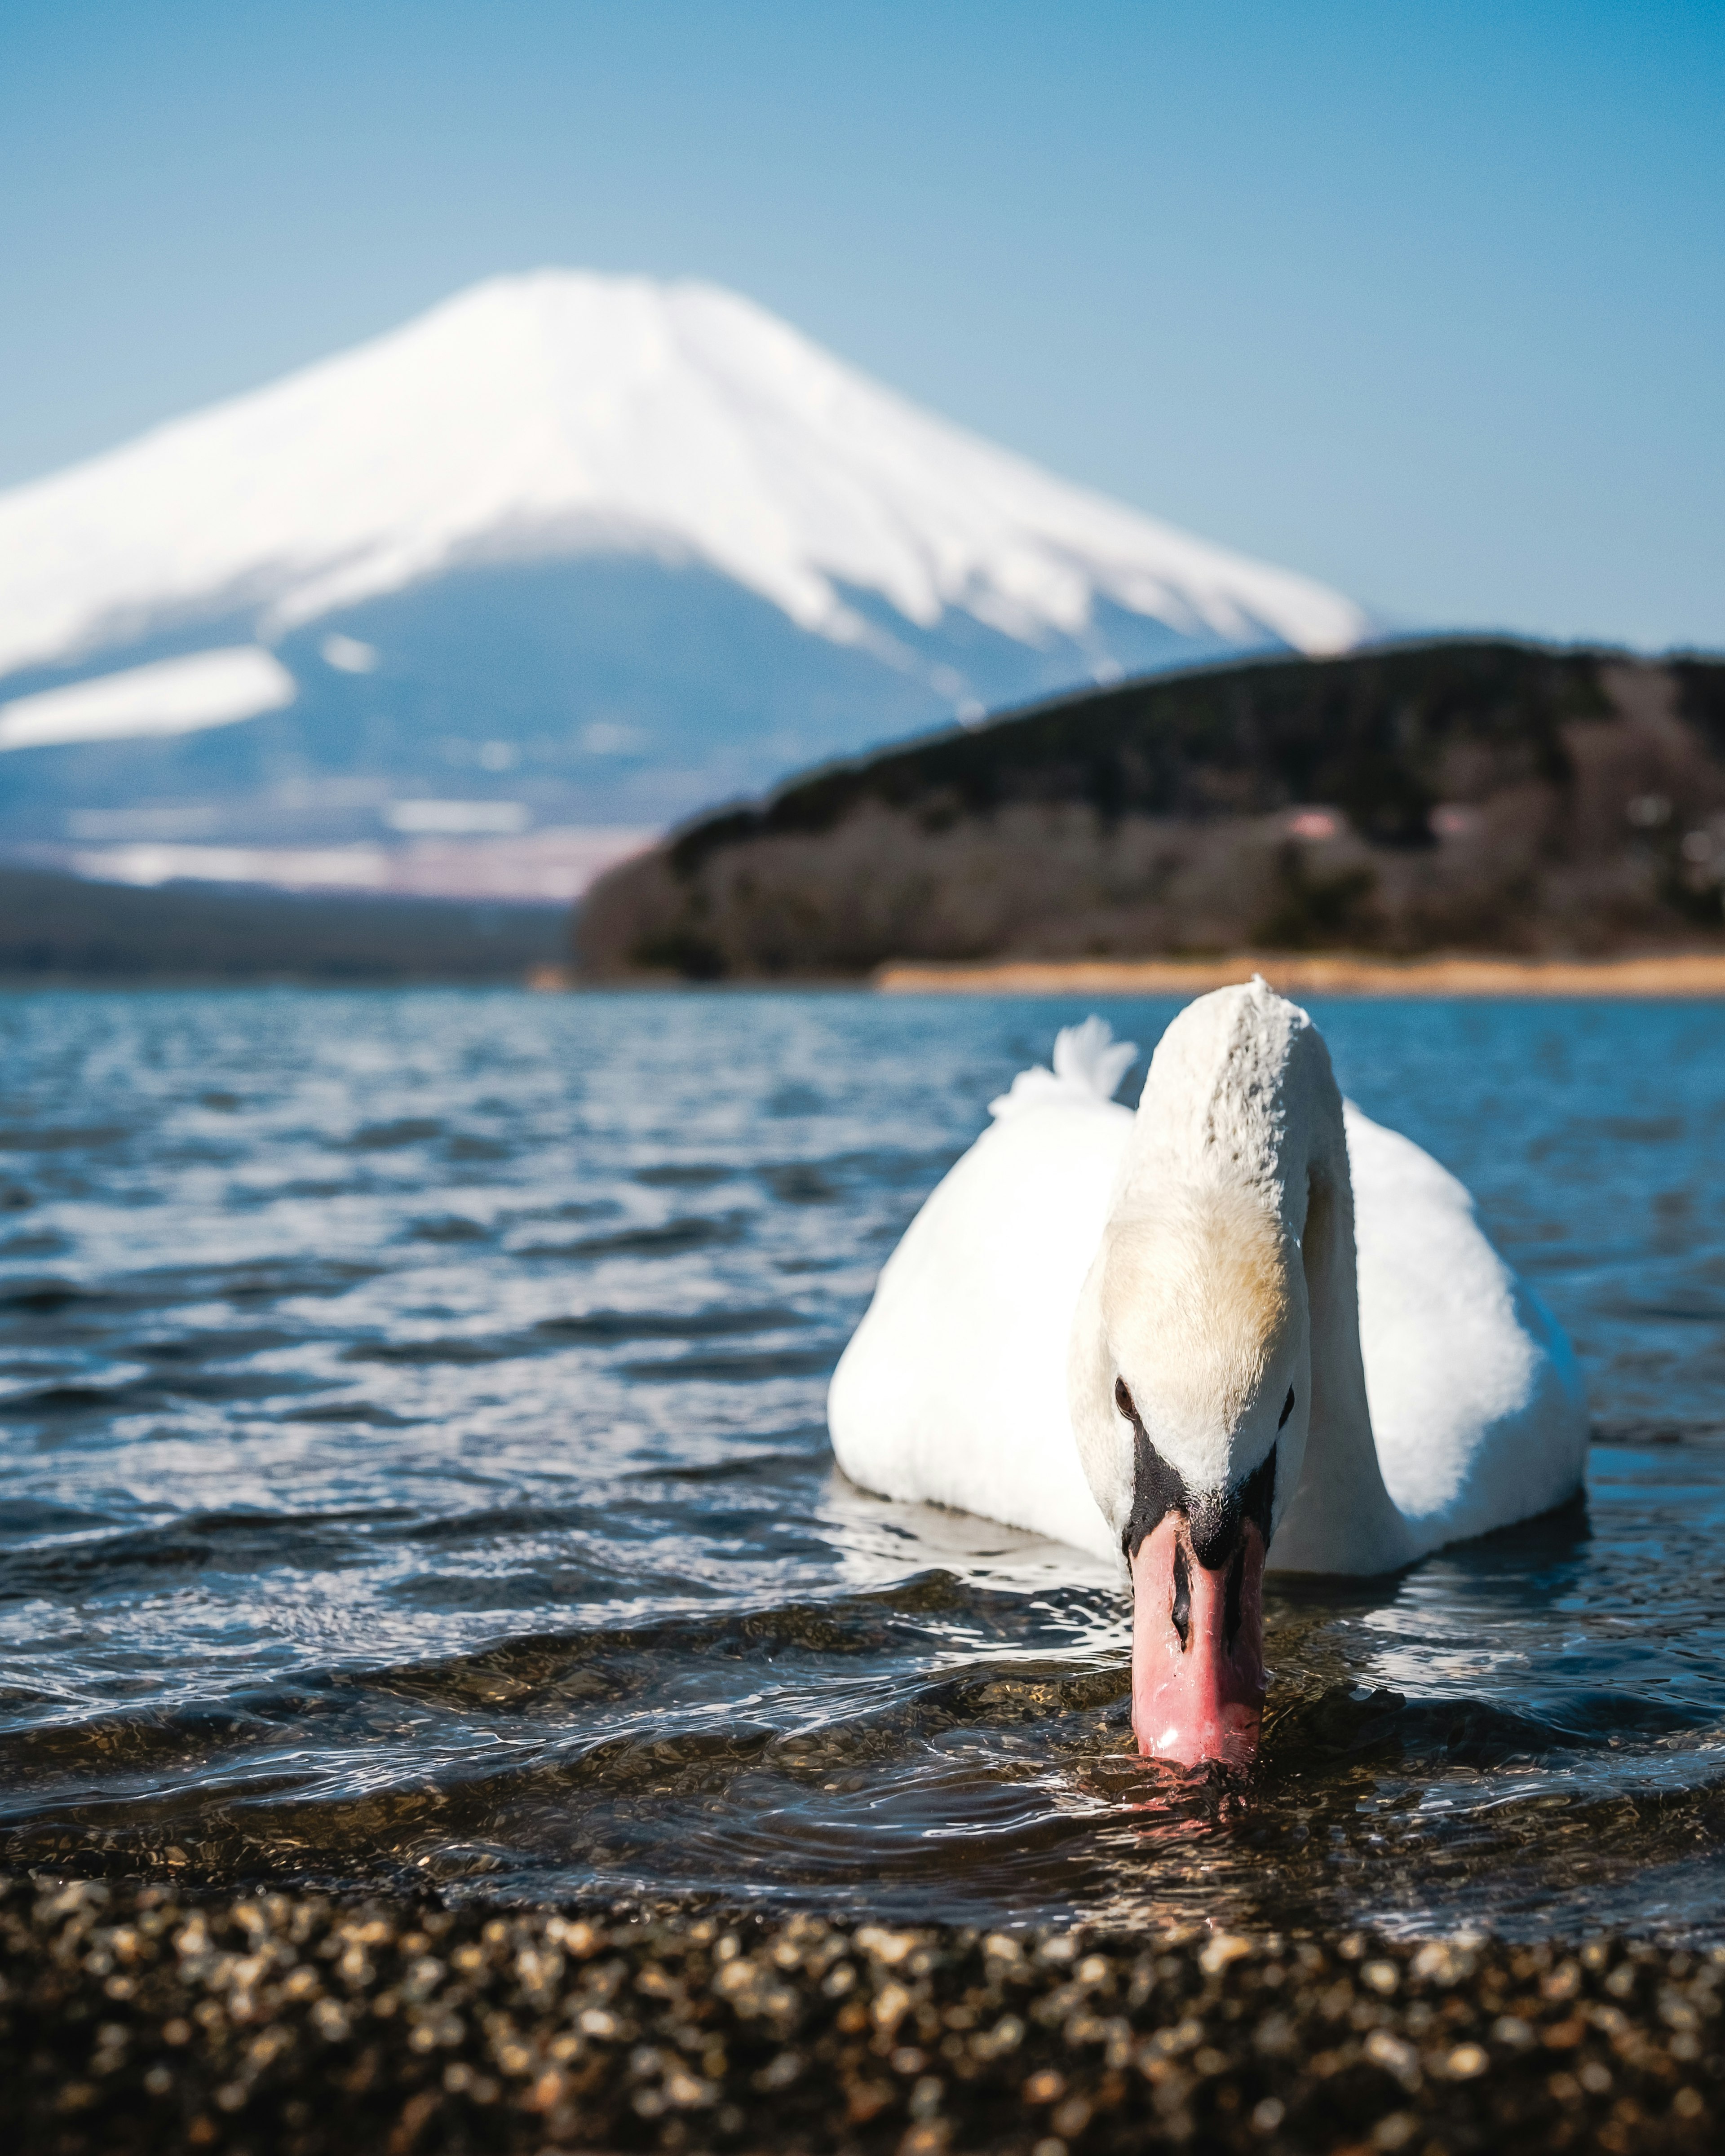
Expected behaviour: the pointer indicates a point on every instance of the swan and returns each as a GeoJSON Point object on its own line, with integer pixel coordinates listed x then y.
{"type": "Point", "coordinates": [1244, 1326]}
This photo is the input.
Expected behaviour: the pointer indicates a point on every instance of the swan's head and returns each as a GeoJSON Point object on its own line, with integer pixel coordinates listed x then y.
{"type": "Point", "coordinates": [1190, 1379]}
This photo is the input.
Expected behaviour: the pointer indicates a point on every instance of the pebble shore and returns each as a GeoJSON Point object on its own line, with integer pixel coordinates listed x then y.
{"type": "Point", "coordinates": [140, 2018]}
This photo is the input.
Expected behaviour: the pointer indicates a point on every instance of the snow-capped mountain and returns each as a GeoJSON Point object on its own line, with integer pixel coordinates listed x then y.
{"type": "Point", "coordinates": [567, 550]}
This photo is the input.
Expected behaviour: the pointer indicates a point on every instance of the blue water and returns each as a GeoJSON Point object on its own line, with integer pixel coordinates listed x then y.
{"type": "Point", "coordinates": [411, 1422]}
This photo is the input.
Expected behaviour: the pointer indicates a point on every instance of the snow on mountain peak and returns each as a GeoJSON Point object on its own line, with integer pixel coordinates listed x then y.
{"type": "Point", "coordinates": [565, 413]}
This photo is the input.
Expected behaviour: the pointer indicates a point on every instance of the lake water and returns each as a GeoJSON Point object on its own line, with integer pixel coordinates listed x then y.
{"type": "Point", "coordinates": [411, 1421]}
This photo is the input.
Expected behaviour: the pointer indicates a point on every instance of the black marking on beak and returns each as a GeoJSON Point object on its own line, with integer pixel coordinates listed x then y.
{"type": "Point", "coordinates": [1158, 1489]}
{"type": "Point", "coordinates": [1287, 1409]}
{"type": "Point", "coordinates": [1181, 1611]}
{"type": "Point", "coordinates": [1216, 1518]}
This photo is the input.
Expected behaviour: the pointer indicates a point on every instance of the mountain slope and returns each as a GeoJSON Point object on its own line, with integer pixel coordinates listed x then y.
{"type": "Point", "coordinates": [598, 545]}
{"type": "Point", "coordinates": [1460, 794]}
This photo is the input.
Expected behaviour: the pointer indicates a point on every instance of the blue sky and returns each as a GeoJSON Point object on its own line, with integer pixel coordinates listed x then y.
{"type": "Point", "coordinates": [1427, 301]}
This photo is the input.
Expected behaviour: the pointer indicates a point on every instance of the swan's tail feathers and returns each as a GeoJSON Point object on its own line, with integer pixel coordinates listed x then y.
{"type": "Point", "coordinates": [1089, 1055]}
{"type": "Point", "coordinates": [1089, 1064]}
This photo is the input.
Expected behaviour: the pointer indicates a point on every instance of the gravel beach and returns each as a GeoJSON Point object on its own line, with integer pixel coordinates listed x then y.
{"type": "Point", "coordinates": [144, 2018]}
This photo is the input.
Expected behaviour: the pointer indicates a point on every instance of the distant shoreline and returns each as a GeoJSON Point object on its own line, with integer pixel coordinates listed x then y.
{"type": "Point", "coordinates": [1691, 974]}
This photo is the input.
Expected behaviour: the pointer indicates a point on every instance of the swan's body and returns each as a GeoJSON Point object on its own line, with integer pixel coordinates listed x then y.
{"type": "Point", "coordinates": [953, 1390]}
{"type": "Point", "coordinates": [1084, 1273]}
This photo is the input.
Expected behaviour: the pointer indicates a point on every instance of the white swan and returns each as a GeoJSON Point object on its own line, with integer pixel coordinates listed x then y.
{"type": "Point", "coordinates": [1141, 1334]}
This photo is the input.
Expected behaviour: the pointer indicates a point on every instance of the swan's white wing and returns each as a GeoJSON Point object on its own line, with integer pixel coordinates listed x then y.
{"type": "Point", "coordinates": [1477, 1402]}
{"type": "Point", "coordinates": [953, 1390]}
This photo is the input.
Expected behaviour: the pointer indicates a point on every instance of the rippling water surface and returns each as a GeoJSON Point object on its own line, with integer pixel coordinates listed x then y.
{"type": "Point", "coordinates": [410, 1419]}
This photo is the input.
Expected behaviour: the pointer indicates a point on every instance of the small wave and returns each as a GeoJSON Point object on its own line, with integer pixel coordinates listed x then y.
{"type": "Point", "coordinates": [496, 1348]}
{"type": "Point", "coordinates": [735, 1370]}
{"type": "Point", "coordinates": [386, 1138]}
{"type": "Point", "coordinates": [606, 1326]}
{"type": "Point", "coordinates": [699, 1232]}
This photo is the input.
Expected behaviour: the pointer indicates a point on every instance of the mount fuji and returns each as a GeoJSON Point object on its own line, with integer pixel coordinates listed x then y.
{"type": "Point", "coordinates": [570, 555]}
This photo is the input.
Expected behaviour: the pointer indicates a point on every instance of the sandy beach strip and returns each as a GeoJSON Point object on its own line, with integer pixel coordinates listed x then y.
{"type": "Point", "coordinates": [147, 2018]}
{"type": "Point", "coordinates": [1681, 974]}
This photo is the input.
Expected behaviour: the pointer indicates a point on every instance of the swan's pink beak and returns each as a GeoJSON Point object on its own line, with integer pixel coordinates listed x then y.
{"type": "Point", "coordinates": [1197, 1648]}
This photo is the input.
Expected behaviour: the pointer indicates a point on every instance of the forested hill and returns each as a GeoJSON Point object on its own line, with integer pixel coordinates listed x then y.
{"type": "Point", "coordinates": [1456, 794]}
{"type": "Point", "coordinates": [56, 927]}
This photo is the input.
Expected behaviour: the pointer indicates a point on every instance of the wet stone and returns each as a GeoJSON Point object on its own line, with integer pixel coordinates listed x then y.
{"type": "Point", "coordinates": [137, 2017]}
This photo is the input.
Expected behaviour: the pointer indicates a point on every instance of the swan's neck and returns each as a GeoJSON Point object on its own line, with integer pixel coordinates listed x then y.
{"type": "Point", "coordinates": [1248, 1104]}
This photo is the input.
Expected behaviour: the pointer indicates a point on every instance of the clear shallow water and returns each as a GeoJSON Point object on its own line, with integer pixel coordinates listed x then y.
{"type": "Point", "coordinates": [414, 1470]}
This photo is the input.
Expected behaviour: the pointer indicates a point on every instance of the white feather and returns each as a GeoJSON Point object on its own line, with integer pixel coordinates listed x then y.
{"type": "Point", "coordinates": [1088, 1067]}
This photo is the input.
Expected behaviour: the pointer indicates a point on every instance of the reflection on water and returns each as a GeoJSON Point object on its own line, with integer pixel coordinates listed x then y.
{"type": "Point", "coordinates": [411, 1414]}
